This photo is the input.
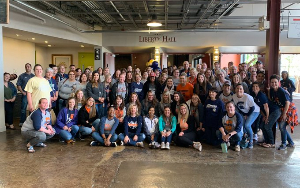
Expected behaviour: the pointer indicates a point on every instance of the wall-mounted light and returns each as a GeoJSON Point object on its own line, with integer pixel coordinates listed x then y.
{"type": "Point", "coordinates": [216, 54]}
{"type": "Point", "coordinates": [157, 55]}
{"type": "Point", "coordinates": [82, 46]}
{"type": "Point", "coordinates": [46, 42]}
{"type": "Point", "coordinates": [49, 45]}
{"type": "Point", "coordinates": [33, 38]}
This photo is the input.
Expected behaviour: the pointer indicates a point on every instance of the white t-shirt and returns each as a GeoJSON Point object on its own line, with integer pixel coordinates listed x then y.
{"type": "Point", "coordinates": [226, 98]}
{"type": "Point", "coordinates": [245, 103]}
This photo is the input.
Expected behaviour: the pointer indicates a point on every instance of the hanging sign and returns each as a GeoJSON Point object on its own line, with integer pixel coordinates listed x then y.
{"type": "Point", "coordinates": [157, 39]}
{"type": "Point", "coordinates": [294, 27]}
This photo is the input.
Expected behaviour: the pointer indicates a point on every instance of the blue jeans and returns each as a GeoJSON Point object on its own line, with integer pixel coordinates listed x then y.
{"type": "Point", "coordinates": [61, 104]}
{"type": "Point", "coordinates": [247, 125]}
{"type": "Point", "coordinates": [101, 110]}
{"type": "Point", "coordinates": [24, 103]}
{"type": "Point", "coordinates": [285, 136]}
{"type": "Point", "coordinates": [86, 130]}
{"type": "Point", "coordinates": [267, 128]}
{"type": "Point", "coordinates": [235, 138]}
{"type": "Point", "coordinates": [167, 139]}
{"type": "Point", "coordinates": [66, 135]}
{"type": "Point", "coordinates": [141, 137]}
{"type": "Point", "coordinates": [98, 137]}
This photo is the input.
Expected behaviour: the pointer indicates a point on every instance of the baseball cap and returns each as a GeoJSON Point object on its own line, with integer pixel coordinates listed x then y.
{"type": "Point", "coordinates": [259, 62]}
{"type": "Point", "coordinates": [152, 74]}
{"type": "Point", "coordinates": [227, 83]}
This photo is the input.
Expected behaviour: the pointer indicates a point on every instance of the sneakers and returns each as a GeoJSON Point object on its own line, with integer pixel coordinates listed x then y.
{"type": "Point", "coordinates": [167, 145]}
{"type": "Point", "coordinates": [113, 144]}
{"type": "Point", "coordinates": [140, 144]}
{"type": "Point", "coordinates": [282, 147]}
{"type": "Point", "coordinates": [122, 143]}
{"type": "Point", "coordinates": [237, 148]}
{"type": "Point", "coordinates": [152, 145]}
{"type": "Point", "coordinates": [70, 141]}
{"type": "Point", "coordinates": [290, 145]}
{"type": "Point", "coordinates": [30, 149]}
{"type": "Point", "coordinates": [81, 137]}
{"type": "Point", "coordinates": [163, 145]}
{"type": "Point", "coordinates": [250, 145]}
{"type": "Point", "coordinates": [41, 144]}
{"type": "Point", "coordinates": [197, 146]}
{"type": "Point", "coordinates": [94, 143]}
{"type": "Point", "coordinates": [255, 137]}
{"type": "Point", "coordinates": [20, 124]}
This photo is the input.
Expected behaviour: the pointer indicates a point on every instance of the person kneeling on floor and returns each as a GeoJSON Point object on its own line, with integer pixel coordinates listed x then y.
{"type": "Point", "coordinates": [231, 129]}
{"type": "Point", "coordinates": [37, 127]}
{"type": "Point", "coordinates": [104, 134]}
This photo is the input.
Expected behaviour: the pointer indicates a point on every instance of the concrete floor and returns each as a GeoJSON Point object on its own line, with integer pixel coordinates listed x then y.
{"type": "Point", "coordinates": [79, 165]}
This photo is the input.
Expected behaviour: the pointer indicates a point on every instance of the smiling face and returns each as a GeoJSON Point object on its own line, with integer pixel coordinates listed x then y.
{"type": "Point", "coordinates": [201, 78]}
{"type": "Point", "coordinates": [183, 110]}
{"type": "Point", "coordinates": [167, 112]}
{"type": "Point", "coordinates": [150, 96]}
{"type": "Point", "coordinates": [230, 108]}
{"type": "Point", "coordinates": [71, 103]}
{"type": "Point", "coordinates": [96, 77]}
{"type": "Point", "coordinates": [119, 101]}
{"type": "Point", "coordinates": [111, 112]}
{"type": "Point", "coordinates": [133, 110]}
{"type": "Point", "coordinates": [122, 78]}
{"type": "Point", "coordinates": [236, 79]}
{"type": "Point", "coordinates": [239, 90]}
{"type": "Point", "coordinates": [255, 88]}
{"type": "Point", "coordinates": [90, 102]}
{"type": "Point", "coordinates": [49, 74]}
{"type": "Point", "coordinates": [44, 104]}
{"type": "Point", "coordinates": [79, 95]}
{"type": "Point", "coordinates": [6, 77]}
{"type": "Point", "coordinates": [212, 95]}
{"type": "Point", "coordinates": [62, 69]}
{"type": "Point", "coordinates": [38, 71]}
{"type": "Point", "coordinates": [28, 67]}
{"type": "Point", "coordinates": [84, 78]}
{"type": "Point", "coordinates": [134, 98]}
{"type": "Point", "coordinates": [169, 82]}
{"type": "Point", "coordinates": [176, 97]}
{"type": "Point", "coordinates": [274, 84]}
{"type": "Point", "coordinates": [151, 111]}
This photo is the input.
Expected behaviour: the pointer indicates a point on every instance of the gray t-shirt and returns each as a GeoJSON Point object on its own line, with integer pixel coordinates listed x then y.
{"type": "Point", "coordinates": [229, 123]}
{"type": "Point", "coordinates": [108, 125]}
{"type": "Point", "coordinates": [121, 89]}
{"type": "Point", "coordinates": [152, 88]}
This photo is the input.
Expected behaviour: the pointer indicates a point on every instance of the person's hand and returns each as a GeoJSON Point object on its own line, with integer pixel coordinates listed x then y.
{"type": "Point", "coordinates": [24, 93]}
{"type": "Point", "coordinates": [65, 127]}
{"type": "Point", "coordinates": [266, 119]}
{"type": "Point", "coordinates": [152, 137]}
{"type": "Point", "coordinates": [135, 138]}
{"type": "Point", "coordinates": [226, 137]}
{"type": "Point", "coordinates": [93, 129]}
{"type": "Point", "coordinates": [30, 108]}
{"type": "Point", "coordinates": [87, 121]}
{"type": "Point", "coordinates": [181, 133]}
{"type": "Point", "coordinates": [126, 139]}
{"type": "Point", "coordinates": [285, 88]}
{"type": "Point", "coordinates": [283, 117]}
{"type": "Point", "coordinates": [163, 134]}
{"type": "Point", "coordinates": [70, 129]}
{"type": "Point", "coordinates": [168, 133]}
{"type": "Point", "coordinates": [203, 129]}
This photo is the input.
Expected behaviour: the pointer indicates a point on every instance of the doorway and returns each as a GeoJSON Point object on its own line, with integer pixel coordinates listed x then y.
{"type": "Point", "coordinates": [123, 61]}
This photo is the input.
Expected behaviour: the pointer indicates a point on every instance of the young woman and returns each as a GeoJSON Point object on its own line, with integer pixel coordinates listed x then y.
{"type": "Point", "coordinates": [79, 99]}
{"type": "Point", "coordinates": [212, 118]}
{"type": "Point", "coordinates": [10, 93]}
{"type": "Point", "coordinates": [196, 110]}
{"type": "Point", "coordinates": [167, 126]}
{"type": "Point", "coordinates": [244, 77]}
{"type": "Point", "coordinates": [137, 87]}
{"type": "Point", "coordinates": [288, 114]}
{"type": "Point", "coordinates": [231, 128]}
{"type": "Point", "coordinates": [120, 112]}
{"type": "Point", "coordinates": [87, 118]}
{"type": "Point", "coordinates": [66, 122]}
{"type": "Point", "coordinates": [133, 124]}
{"type": "Point", "coordinates": [236, 79]}
{"type": "Point", "coordinates": [134, 100]}
{"type": "Point", "coordinates": [210, 76]}
{"type": "Point", "coordinates": [129, 80]}
{"type": "Point", "coordinates": [149, 101]}
{"type": "Point", "coordinates": [104, 134]}
{"type": "Point", "coordinates": [61, 74]}
{"type": "Point", "coordinates": [248, 108]}
{"type": "Point", "coordinates": [83, 79]}
{"type": "Point", "coordinates": [178, 100]}
{"type": "Point", "coordinates": [162, 79]}
{"type": "Point", "coordinates": [170, 87]}
{"type": "Point", "coordinates": [151, 127]}
{"type": "Point", "coordinates": [115, 76]}
{"type": "Point", "coordinates": [53, 85]}
{"type": "Point", "coordinates": [107, 89]}
{"type": "Point", "coordinates": [186, 129]}
{"type": "Point", "coordinates": [100, 72]}
{"type": "Point", "coordinates": [166, 101]}
{"type": "Point", "coordinates": [202, 87]}
{"type": "Point", "coordinates": [287, 83]}
{"type": "Point", "coordinates": [95, 89]}
{"type": "Point", "coordinates": [152, 85]}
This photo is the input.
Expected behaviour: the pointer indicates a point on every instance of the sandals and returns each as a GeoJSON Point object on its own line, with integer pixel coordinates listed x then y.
{"type": "Point", "coordinates": [269, 146]}
{"type": "Point", "coordinates": [41, 145]}
{"type": "Point", "coordinates": [30, 149]}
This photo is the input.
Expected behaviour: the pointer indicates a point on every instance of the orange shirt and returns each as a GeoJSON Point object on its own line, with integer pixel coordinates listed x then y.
{"type": "Point", "coordinates": [192, 81]}
{"type": "Point", "coordinates": [186, 91]}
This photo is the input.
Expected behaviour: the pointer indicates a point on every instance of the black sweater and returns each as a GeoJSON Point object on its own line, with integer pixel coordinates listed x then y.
{"type": "Point", "coordinates": [83, 116]}
{"type": "Point", "coordinates": [191, 128]}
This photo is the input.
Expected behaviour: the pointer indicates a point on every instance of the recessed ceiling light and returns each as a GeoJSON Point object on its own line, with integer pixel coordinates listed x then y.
{"type": "Point", "coordinates": [18, 35]}
{"type": "Point", "coordinates": [81, 46]}
{"type": "Point", "coordinates": [33, 38]}
{"type": "Point", "coordinates": [49, 45]}
{"type": "Point", "coordinates": [46, 42]}
{"type": "Point", "coordinates": [154, 24]}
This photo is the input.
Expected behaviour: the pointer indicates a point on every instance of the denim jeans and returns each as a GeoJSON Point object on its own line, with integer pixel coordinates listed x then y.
{"type": "Point", "coordinates": [98, 137]}
{"type": "Point", "coordinates": [101, 110]}
{"type": "Point", "coordinates": [141, 137]}
{"type": "Point", "coordinates": [267, 128]}
{"type": "Point", "coordinates": [24, 103]}
{"type": "Point", "coordinates": [61, 104]}
{"type": "Point", "coordinates": [285, 136]}
{"type": "Point", "coordinates": [235, 138]}
{"type": "Point", "coordinates": [247, 125]}
{"type": "Point", "coordinates": [167, 139]}
{"type": "Point", "coordinates": [86, 130]}
{"type": "Point", "coordinates": [34, 137]}
{"type": "Point", "coordinates": [66, 135]}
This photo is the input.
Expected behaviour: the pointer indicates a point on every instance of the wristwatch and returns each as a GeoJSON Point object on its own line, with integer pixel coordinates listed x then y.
{"type": "Point", "coordinates": [230, 134]}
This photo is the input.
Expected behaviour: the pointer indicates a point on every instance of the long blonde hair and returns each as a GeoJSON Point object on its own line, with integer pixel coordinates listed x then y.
{"type": "Point", "coordinates": [180, 116]}
{"type": "Point", "coordinates": [93, 111]}
{"type": "Point", "coordinates": [129, 110]}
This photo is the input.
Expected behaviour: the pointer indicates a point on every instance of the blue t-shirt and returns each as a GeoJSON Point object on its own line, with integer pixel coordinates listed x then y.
{"type": "Point", "coordinates": [23, 79]}
{"type": "Point", "coordinates": [279, 97]}
{"type": "Point", "coordinates": [54, 88]}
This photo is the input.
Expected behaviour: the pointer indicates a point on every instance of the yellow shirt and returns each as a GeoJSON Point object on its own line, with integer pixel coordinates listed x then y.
{"type": "Point", "coordinates": [39, 88]}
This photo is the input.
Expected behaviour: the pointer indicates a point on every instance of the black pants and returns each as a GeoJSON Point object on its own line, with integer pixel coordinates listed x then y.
{"type": "Point", "coordinates": [186, 140]}
{"type": "Point", "coordinates": [9, 108]}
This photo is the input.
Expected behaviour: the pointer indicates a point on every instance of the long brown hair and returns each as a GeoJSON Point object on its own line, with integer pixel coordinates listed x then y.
{"type": "Point", "coordinates": [154, 102]}
{"type": "Point", "coordinates": [94, 82]}
{"type": "Point", "coordinates": [138, 103]}
{"type": "Point", "coordinates": [70, 98]}
{"type": "Point", "coordinates": [198, 84]}
{"type": "Point", "coordinates": [167, 118]}
{"type": "Point", "coordinates": [122, 104]}
{"type": "Point", "coordinates": [82, 100]}
{"type": "Point", "coordinates": [93, 111]}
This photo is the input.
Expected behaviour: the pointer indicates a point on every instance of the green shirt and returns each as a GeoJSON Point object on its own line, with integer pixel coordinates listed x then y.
{"type": "Point", "coordinates": [7, 93]}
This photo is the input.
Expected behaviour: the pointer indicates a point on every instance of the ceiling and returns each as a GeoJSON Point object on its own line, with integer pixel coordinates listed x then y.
{"type": "Point", "coordinates": [135, 14]}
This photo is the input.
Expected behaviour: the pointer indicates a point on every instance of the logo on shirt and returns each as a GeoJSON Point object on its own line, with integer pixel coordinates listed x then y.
{"type": "Point", "coordinates": [240, 105]}
{"type": "Point", "coordinates": [133, 124]}
{"type": "Point", "coordinates": [107, 127]}
{"type": "Point", "coordinates": [228, 125]}
{"type": "Point", "coordinates": [214, 107]}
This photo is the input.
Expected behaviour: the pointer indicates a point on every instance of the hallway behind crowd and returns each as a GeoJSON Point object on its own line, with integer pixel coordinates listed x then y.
{"type": "Point", "coordinates": [232, 107]}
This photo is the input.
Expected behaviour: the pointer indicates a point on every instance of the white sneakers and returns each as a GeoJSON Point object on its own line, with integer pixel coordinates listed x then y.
{"type": "Point", "coordinates": [197, 146]}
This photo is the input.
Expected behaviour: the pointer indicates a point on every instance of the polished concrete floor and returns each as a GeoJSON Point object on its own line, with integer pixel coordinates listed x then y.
{"type": "Point", "coordinates": [79, 165]}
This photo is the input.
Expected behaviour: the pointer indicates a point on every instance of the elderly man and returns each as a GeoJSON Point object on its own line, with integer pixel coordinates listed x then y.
{"type": "Point", "coordinates": [185, 88]}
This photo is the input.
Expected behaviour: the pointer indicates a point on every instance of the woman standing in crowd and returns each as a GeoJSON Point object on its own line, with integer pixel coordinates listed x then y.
{"type": "Point", "coordinates": [178, 100]}
{"type": "Point", "coordinates": [210, 78]}
{"type": "Point", "coordinates": [202, 87]}
{"type": "Point", "coordinates": [107, 89]}
{"type": "Point", "coordinates": [175, 77]}
{"type": "Point", "coordinates": [129, 80]}
{"type": "Point", "coordinates": [162, 79]}
{"type": "Point", "coordinates": [79, 99]}
{"type": "Point", "coordinates": [10, 93]}
{"type": "Point", "coordinates": [167, 126]}
{"type": "Point", "coordinates": [87, 118]}
{"type": "Point", "coordinates": [212, 118]}
{"type": "Point", "coordinates": [137, 87]}
{"type": "Point", "coordinates": [61, 74]}
{"type": "Point", "coordinates": [288, 114]}
{"type": "Point", "coordinates": [104, 134]}
{"type": "Point", "coordinates": [248, 108]}
{"type": "Point", "coordinates": [120, 112]}
{"type": "Point", "coordinates": [244, 77]}
{"type": "Point", "coordinates": [149, 101]}
{"type": "Point", "coordinates": [151, 127]}
{"type": "Point", "coordinates": [78, 72]}
{"type": "Point", "coordinates": [133, 124]}
{"type": "Point", "coordinates": [186, 129]}
{"type": "Point", "coordinates": [170, 87]}
{"type": "Point", "coordinates": [83, 82]}
{"type": "Point", "coordinates": [236, 79]}
{"type": "Point", "coordinates": [100, 72]}
{"type": "Point", "coordinates": [95, 89]}
{"type": "Point", "coordinates": [153, 85]}
{"type": "Point", "coordinates": [115, 76]}
{"type": "Point", "coordinates": [287, 83]}
{"type": "Point", "coordinates": [67, 88]}
{"type": "Point", "coordinates": [166, 101]}
{"type": "Point", "coordinates": [134, 100]}
{"type": "Point", "coordinates": [218, 84]}
{"type": "Point", "coordinates": [231, 128]}
{"type": "Point", "coordinates": [66, 122]}
{"type": "Point", "coordinates": [53, 85]}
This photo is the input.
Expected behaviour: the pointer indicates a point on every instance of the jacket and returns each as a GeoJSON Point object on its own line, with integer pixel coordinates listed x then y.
{"type": "Point", "coordinates": [96, 92]}
{"type": "Point", "coordinates": [114, 92]}
{"type": "Point", "coordinates": [157, 89]}
{"type": "Point", "coordinates": [63, 120]}
{"type": "Point", "coordinates": [83, 116]}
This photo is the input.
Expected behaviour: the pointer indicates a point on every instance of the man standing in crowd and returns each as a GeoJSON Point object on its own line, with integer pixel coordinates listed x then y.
{"type": "Point", "coordinates": [72, 68]}
{"type": "Point", "coordinates": [186, 89]}
{"type": "Point", "coordinates": [260, 66]}
{"type": "Point", "coordinates": [37, 127]}
{"type": "Point", "coordinates": [37, 87]}
{"type": "Point", "coordinates": [21, 83]}
{"type": "Point", "coordinates": [186, 68]}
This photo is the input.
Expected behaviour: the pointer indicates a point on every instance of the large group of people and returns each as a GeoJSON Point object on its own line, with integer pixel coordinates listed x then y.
{"type": "Point", "coordinates": [182, 105]}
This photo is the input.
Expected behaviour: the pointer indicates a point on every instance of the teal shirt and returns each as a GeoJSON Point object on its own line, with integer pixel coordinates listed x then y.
{"type": "Point", "coordinates": [162, 124]}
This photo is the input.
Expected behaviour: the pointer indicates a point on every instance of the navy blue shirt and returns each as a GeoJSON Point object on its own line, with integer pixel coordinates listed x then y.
{"type": "Point", "coordinates": [23, 79]}
{"type": "Point", "coordinates": [54, 87]}
{"type": "Point", "coordinates": [213, 113]}
{"type": "Point", "coordinates": [279, 97]}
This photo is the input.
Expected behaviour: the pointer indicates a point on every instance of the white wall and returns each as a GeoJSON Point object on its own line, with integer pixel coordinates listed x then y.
{"type": "Point", "coordinates": [2, 124]}
{"type": "Point", "coordinates": [16, 54]}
